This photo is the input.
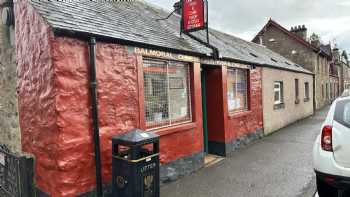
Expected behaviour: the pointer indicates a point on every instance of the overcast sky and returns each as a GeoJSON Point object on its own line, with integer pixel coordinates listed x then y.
{"type": "Point", "coordinates": [245, 18]}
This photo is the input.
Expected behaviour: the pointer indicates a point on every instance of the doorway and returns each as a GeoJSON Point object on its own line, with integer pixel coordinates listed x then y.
{"type": "Point", "coordinates": [212, 108]}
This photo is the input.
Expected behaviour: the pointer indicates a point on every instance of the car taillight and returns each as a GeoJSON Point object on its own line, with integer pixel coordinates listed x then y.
{"type": "Point", "coordinates": [326, 138]}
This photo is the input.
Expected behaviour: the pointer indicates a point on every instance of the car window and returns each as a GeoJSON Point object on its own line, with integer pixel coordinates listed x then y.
{"type": "Point", "coordinates": [342, 113]}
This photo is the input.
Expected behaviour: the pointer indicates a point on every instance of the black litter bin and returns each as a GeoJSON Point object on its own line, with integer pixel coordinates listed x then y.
{"type": "Point", "coordinates": [135, 164]}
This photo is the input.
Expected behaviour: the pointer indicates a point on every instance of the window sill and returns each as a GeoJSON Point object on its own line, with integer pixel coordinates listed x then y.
{"type": "Point", "coordinates": [239, 114]}
{"type": "Point", "coordinates": [174, 129]}
{"type": "Point", "coordinates": [278, 106]}
{"type": "Point", "coordinates": [306, 99]}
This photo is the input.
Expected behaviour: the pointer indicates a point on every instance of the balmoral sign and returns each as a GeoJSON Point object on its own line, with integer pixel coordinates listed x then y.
{"type": "Point", "coordinates": [163, 54]}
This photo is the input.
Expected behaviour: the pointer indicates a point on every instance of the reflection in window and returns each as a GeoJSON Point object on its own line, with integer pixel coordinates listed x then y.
{"type": "Point", "coordinates": [167, 93]}
{"type": "Point", "coordinates": [237, 89]}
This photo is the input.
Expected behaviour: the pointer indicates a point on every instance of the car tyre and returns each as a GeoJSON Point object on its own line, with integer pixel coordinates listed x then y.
{"type": "Point", "coordinates": [325, 190]}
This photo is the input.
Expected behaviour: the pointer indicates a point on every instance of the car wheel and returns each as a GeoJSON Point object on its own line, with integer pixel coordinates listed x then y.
{"type": "Point", "coordinates": [325, 190]}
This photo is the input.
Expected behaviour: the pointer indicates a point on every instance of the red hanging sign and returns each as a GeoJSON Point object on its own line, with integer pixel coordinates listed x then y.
{"type": "Point", "coordinates": [193, 15]}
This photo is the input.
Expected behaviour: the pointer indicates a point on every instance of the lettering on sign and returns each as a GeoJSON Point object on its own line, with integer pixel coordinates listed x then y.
{"type": "Point", "coordinates": [193, 16]}
{"type": "Point", "coordinates": [148, 167]}
{"type": "Point", "coordinates": [164, 55]}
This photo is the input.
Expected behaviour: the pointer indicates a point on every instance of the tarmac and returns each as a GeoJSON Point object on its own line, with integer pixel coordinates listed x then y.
{"type": "Point", "coordinates": [279, 165]}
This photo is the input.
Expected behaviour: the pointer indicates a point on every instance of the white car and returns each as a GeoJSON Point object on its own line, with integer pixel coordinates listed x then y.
{"type": "Point", "coordinates": [331, 152]}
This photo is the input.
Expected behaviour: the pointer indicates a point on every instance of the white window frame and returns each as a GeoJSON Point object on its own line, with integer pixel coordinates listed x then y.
{"type": "Point", "coordinates": [279, 90]}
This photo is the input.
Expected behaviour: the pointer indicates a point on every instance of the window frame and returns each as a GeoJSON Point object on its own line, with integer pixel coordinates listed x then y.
{"type": "Point", "coordinates": [280, 90]}
{"type": "Point", "coordinates": [247, 98]}
{"type": "Point", "coordinates": [176, 122]}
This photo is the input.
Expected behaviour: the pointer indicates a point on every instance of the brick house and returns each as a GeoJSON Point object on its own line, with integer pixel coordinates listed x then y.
{"type": "Point", "coordinates": [149, 77]}
{"type": "Point", "coordinates": [315, 57]}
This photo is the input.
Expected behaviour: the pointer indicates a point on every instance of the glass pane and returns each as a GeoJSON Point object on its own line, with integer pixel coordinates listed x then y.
{"type": "Point", "coordinates": [342, 113]}
{"type": "Point", "coordinates": [179, 93]}
{"type": "Point", "coordinates": [237, 90]}
{"type": "Point", "coordinates": [277, 96]}
{"type": "Point", "coordinates": [156, 93]}
{"type": "Point", "coordinates": [241, 98]}
{"type": "Point", "coordinates": [231, 89]}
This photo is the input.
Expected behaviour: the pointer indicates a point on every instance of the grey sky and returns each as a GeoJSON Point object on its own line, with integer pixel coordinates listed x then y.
{"type": "Point", "coordinates": [244, 18]}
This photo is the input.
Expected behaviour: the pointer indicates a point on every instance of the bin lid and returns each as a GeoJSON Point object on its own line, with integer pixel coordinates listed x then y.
{"type": "Point", "coordinates": [135, 137]}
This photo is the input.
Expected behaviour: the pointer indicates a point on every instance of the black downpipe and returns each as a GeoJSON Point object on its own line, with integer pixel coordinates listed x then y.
{"type": "Point", "coordinates": [94, 105]}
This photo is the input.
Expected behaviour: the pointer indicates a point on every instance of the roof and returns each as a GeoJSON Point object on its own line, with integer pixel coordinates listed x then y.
{"type": "Point", "coordinates": [326, 49]}
{"type": "Point", "coordinates": [137, 22]}
{"type": "Point", "coordinates": [291, 35]}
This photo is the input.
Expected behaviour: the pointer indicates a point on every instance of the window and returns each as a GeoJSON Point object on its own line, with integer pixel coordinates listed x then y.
{"type": "Point", "coordinates": [342, 113]}
{"type": "Point", "coordinates": [237, 90]}
{"type": "Point", "coordinates": [278, 92]}
{"type": "Point", "coordinates": [307, 92]}
{"type": "Point", "coordinates": [167, 93]}
{"type": "Point", "coordinates": [327, 93]}
{"type": "Point", "coordinates": [296, 91]}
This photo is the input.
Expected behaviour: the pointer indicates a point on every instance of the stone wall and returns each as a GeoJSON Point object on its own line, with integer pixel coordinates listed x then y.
{"type": "Point", "coordinates": [276, 118]}
{"type": "Point", "coordinates": [9, 122]}
{"type": "Point", "coordinates": [288, 47]}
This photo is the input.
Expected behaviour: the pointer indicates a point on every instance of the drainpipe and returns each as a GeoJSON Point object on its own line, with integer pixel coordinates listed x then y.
{"type": "Point", "coordinates": [94, 106]}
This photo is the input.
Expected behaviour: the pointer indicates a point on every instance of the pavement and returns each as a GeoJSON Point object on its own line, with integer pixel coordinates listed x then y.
{"type": "Point", "coordinates": [280, 165]}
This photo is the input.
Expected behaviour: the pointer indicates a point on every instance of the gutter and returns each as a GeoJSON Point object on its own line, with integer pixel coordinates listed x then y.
{"type": "Point", "coordinates": [94, 112]}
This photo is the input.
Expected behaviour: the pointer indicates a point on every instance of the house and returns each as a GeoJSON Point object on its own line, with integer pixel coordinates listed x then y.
{"type": "Point", "coordinates": [314, 56]}
{"type": "Point", "coordinates": [148, 77]}
{"type": "Point", "coordinates": [342, 63]}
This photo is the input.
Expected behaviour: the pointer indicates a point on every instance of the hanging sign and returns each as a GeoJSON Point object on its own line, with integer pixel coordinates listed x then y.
{"type": "Point", "coordinates": [193, 15]}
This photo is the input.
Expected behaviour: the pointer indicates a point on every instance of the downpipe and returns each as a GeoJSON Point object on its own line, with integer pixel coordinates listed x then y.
{"type": "Point", "coordinates": [94, 110]}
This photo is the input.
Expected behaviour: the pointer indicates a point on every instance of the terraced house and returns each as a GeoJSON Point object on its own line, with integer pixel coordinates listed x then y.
{"type": "Point", "coordinates": [199, 99]}
{"type": "Point", "coordinates": [314, 56]}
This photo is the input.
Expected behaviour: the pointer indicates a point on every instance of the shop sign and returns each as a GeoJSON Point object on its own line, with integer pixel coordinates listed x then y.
{"type": "Point", "coordinates": [193, 15]}
{"type": "Point", "coordinates": [163, 54]}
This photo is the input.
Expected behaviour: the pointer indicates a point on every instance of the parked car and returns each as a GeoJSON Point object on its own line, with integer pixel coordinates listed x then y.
{"type": "Point", "coordinates": [331, 152]}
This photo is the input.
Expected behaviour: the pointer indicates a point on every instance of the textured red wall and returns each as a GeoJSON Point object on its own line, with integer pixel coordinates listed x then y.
{"type": "Point", "coordinates": [54, 106]}
{"type": "Point", "coordinates": [241, 124]}
{"type": "Point", "coordinates": [36, 93]}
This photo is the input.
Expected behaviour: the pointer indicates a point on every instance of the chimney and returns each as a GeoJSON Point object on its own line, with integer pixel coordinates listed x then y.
{"type": "Point", "coordinates": [178, 7]}
{"type": "Point", "coordinates": [261, 40]}
{"type": "Point", "coordinates": [301, 31]}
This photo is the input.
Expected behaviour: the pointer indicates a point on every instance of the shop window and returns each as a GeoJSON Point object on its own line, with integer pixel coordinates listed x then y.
{"type": "Point", "coordinates": [237, 90]}
{"type": "Point", "coordinates": [307, 92]}
{"type": "Point", "coordinates": [167, 93]}
{"type": "Point", "coordinates": [297, 91]}
{"type": "Point", "coordinates": [278, 95]}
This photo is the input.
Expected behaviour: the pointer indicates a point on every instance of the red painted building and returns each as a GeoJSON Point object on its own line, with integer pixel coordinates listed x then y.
{"type": "Point", "coordinates": [148, 77]}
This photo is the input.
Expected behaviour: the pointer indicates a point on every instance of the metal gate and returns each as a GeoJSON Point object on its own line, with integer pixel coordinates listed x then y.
{"type": "Point", "coordinates": [16, 174]}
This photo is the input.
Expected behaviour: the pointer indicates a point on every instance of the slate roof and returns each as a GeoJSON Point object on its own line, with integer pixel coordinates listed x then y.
{"type": "Point", "coordinates": [292, 35]}
{"type": "Point", "coordinates": [137, 22]}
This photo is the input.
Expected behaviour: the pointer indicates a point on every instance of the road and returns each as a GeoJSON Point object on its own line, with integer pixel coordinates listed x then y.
{"type": "Point", "coordinates": [280, 165]}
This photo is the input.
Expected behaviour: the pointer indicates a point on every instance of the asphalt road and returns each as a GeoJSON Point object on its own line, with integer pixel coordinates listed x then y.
{"type": "Point", "coordinates": [279, 165]}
